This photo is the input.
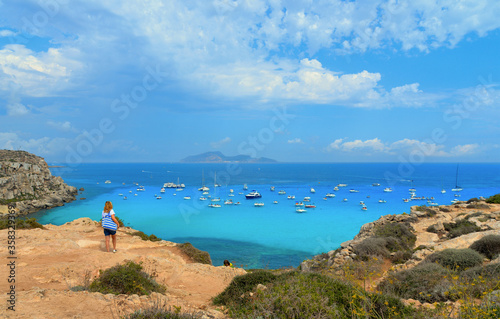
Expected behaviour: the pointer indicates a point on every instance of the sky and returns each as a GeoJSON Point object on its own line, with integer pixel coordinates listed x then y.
{"type": "Point", "coordinates": [296, 81]}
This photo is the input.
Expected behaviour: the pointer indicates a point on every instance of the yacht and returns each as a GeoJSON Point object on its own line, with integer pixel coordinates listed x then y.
{"type": "Point", "coordinates": [228, 202]}
{"type": "Point", "coordinates": [300, 210]}
{"type": "Point", "coordinates": [387, 189]}
{"type": "Point", "coordinates": [330, 195]}
{"type": "Point", "coordinates": [253, 194]}
{"type": "Point", "coordinates": [353, 191]}
{"type": "Point", "coordinates": [258, 204]}
{"type": "Point", "coordinates": [214, 205]}
{"type": "Point", "coordinates": [281, 192]}
{"type": "Point", "coordinates": [291, 196]}
{"type": "Point", "coordinates": [313, 190]}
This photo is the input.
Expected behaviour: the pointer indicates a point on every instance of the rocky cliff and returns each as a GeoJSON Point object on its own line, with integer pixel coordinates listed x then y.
{"type": "Point", "coordinates": [25, 179]}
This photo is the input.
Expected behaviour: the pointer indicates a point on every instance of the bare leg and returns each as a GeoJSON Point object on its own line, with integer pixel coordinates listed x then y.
{"type": "Point", "coordinates": [113, 237]}
{"type": "Point", "coordinates": [107, 243]}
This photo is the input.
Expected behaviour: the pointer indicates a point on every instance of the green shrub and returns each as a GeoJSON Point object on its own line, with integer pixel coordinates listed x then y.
{"type": "Point", "coordinates": [125, 279]}
{"type": "Point", "coordinates": [481, 279]}
{"type": "Point", "coordinates": [488, 245]}
{"type": "Point", "coordinates": [456, 259]}
{"type": "Point", "coordinates": [400, 231]}
{"type": "Point", "coordinates": [372, 246]}
{"type": "Point", "coordinates": [311, 295]}
{"type": "Point", "coordinates": [495, 199]}
{"type": "Point", "coordinates": [400, 257]}
{"type": "Point", "coordinates": [161, 312]}
{"type": "Point", "coordinates": [241, 285]}
{"type": "Point", "coordinates": [460, 227]}
{"type": "Point", "coordinates": [425, 282]}
{"type": "Point", "coordinates": [143, 236]}
{"type": "Point", "coordinates": [472, 200]}
{"type": "Point", "coordinates": [196, 255]}
{"type": "Point", "coordinates": [28, 223]}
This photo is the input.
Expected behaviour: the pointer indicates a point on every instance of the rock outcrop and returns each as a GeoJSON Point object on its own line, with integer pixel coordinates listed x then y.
{"type": "Point", "coordinates": [25, 179]}
{"type": "Point", "coordinates": [421, 218]}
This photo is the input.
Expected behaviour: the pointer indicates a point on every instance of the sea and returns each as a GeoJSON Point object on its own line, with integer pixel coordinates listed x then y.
{"type": "Point", "coordinates": [274, 235]}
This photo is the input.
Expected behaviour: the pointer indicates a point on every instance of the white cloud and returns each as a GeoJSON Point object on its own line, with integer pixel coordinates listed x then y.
{"type": "Point", "coordinates": [36, 73]}
{"type": "Point", "coordinates": [16, 109]}
{"type": "Point", "coordinates": [220, 143]}
{"type": "Point", "coordinates": [62, 126]}
{"type": "Point", "coordinates": [402, 147]}
{"type": "Point", "coordinates": [42, 146]}
{"type": "Point", "coordinates": [295, 141]}
{"type": "Point", "coordinates": [7, 33]}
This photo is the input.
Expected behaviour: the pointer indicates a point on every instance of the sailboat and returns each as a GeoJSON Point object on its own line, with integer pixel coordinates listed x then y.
{"type": "Point", "coordinates": [203, 188]}
{"type": "Point", "coordinates": [457, 188]}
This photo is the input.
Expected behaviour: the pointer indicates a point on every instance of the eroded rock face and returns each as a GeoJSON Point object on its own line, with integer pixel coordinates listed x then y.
{"type": "Point", "coordinates": [26, 180]}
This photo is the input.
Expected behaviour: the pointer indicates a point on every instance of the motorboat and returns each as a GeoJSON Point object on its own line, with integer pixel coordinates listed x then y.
{"type": "Point", "coordinates": [300, 210]}
{"type": "Point", "coordinates": [307, 199]}
{"type": "Point", "coordinates": [375, 184]}
{"type": "Point", "coordinates": [291, 196]}
{"type": "Point", "coordinates": [228, 202]}
{"type": "Point", "coordinates": [253, 194]}
{"type": "Point", "coordinates": [202, 198]}
{"type": "Point", "coordinates": [258, 204]}
{"type": "Point", "coordinates": [299, 204]}
{"type": "Point", "coordinates": [312, 190]}
{"type": "Point", "coordinates": [275, 202]}
{"type": "Point", "coordinates": [158, 197]}
{"type": "Point", "coordinates": [310, 206]}
{"type": "Point", "coordinates": [281, 192]}
{"type": "Point", "coordinates": [272, 188]}
{"type": "Point", "coordinates": [382, 201]}
{"type": "Point", "coordinates": [187, 197]}
{"type": "Point", "coordinates": [214, 205]}
{"type": "Point", "coordinates": [330, 195]}
{"type": "Point", "coordinates": [353, 191]}
{"type": "Point", "coordinates": [387, 189]}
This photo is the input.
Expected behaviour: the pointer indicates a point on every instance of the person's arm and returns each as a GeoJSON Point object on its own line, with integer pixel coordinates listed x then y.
{"type": "Point", "coordinates": [116, 221]}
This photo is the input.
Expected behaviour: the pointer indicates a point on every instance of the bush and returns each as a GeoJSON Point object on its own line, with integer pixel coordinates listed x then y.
{"type": "Point", "coordinates": [481, 279]}
{"type": "Point", "coordinates": [28, 223]}
{"type": "Point", "coordinates": [371, 247]}
{"type": "Point", "coordinates": [161, 312]}
{"type": "Point", "coordinates": [241, 285]}
{"type": "Point", "coordinates": [495, 199]}
{"type": "Point", "coordinates": [195, 254]}
{"type": "Point", "coordinates": [460, 227]}
{"type": "Point", "coordinates": [311, 295]}
{"type": "Point", "coordinates": [488, 245]}
{"type": "Point", "coordinates": [125, 279]}
{"type": "Point", "coordinates": [425, 282]}
{"type": "Point", "coordinates": [472, 200]}
{"type": "Point", "coordinates": [143, 236]}
{"type": "Point", "coordinates": [456, 259]}
{"type": "Point", "coordinates": [397, 230]}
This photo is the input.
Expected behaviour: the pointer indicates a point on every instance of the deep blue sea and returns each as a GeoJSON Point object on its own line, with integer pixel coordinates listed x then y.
{"type": "Point", "coordinates": [274, 235]}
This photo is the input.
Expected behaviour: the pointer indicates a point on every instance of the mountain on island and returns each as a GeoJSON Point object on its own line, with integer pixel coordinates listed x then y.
{"type": "Point", "coordinates": [218, 157]}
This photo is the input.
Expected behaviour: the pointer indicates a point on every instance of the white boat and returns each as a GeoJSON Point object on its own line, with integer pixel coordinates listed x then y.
{"type": "Point", "coordinates": [253, 194]}
{"type": "Point", "coordinates": [336, 188]}
{"type": "Point", "coordinates": [245, 187]}
{"type": "Point", "coordinates": [141, 189]}
{"type": "Point", "coordinates": [455, 201]}
{"type": "Point", "coordinates": [258, 204]}
{"type": "Point", "coordinates": [387, 189]}
{"type": "Point", "coordinates": [300, 210]}
{"type": "Point", "coordinates": [107, 182]}
{"type": "Point", "coordinates": [162, 190]}
{"type": "Point", "coordinates": [275, 202]}
{"type": "Point", "coordinates": [202, 198]}
{"type": "Point", "coordinates": [291, 196]}
{"type": "Point", "coordinates": [281, 192]}
{"type": "Point", "coordinates": [231, 191]}
{"type": "Point", "coordinates": [307, 199]}
{"type": "Point", "coordinates": [203, 188]}
{"type": "Point", "coordinates": [228, 202]}
{"type": "Point", "coordinates": [342, 185]}
{"type": "Point", "coordinates": [330, 195]}
{"type": "Point", "coordinates": [382, 201]}
{"type": "Point", "coordinates": [299, 204]}
{"type": "Point", "coordinates": [187, 197]}
{"type": "Point", "coordinates": [158, 197]}
{"type": "Point", "coordinates": [375, 184]}
{"type": "Point", "coordinates": [124, 197]}
{"type": "Point", "coordinates": [353, 191]}
{"type": "Point", "coordinates": [457, 188]}
{"type": "Point", "coordinates": [443, 191]}
{"type": "Point", "coordinates": [362, 203]}
{"type": "Point", "coordinates": [120, 194]}
{"type": "Point", "coordinates": [345, 200]}
{"type": "Point", "coordinates": [364, 208]}
{"type": "Point", "coordinates": [272, 188]}
{"type": "Point", "coordinates": [214, 205]}
{"type": "Point", "coordinates": [312, 190]}
{"type": "Point", "coordinates": [215, 199]}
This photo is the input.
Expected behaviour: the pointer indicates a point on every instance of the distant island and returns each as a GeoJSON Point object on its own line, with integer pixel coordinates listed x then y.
{"type": "Point", "coordinates": [218, 157]}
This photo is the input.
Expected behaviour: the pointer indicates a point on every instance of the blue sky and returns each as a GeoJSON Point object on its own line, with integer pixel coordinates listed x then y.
{"type": "Point", "coordinates": [297, 81]}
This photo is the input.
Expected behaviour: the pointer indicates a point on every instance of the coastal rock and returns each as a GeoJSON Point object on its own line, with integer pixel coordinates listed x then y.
{"type": "Point", "coordinates": [25, 179]}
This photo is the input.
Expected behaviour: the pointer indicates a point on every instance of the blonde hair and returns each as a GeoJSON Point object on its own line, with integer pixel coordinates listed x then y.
{"type": "Point", "coordinates": [108, 206]}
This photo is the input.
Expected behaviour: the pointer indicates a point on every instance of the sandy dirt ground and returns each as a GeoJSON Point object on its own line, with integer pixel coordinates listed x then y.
{"type": "Point", "coordinates": [51, 261]}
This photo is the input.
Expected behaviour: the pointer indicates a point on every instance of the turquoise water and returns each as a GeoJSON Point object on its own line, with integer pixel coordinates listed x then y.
{"type": "Point", "coordinates": [272, 236]}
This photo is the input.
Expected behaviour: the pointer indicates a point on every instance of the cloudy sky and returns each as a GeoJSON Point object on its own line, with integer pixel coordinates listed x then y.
{"type": "Point", "coordinates": [297, 81]}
